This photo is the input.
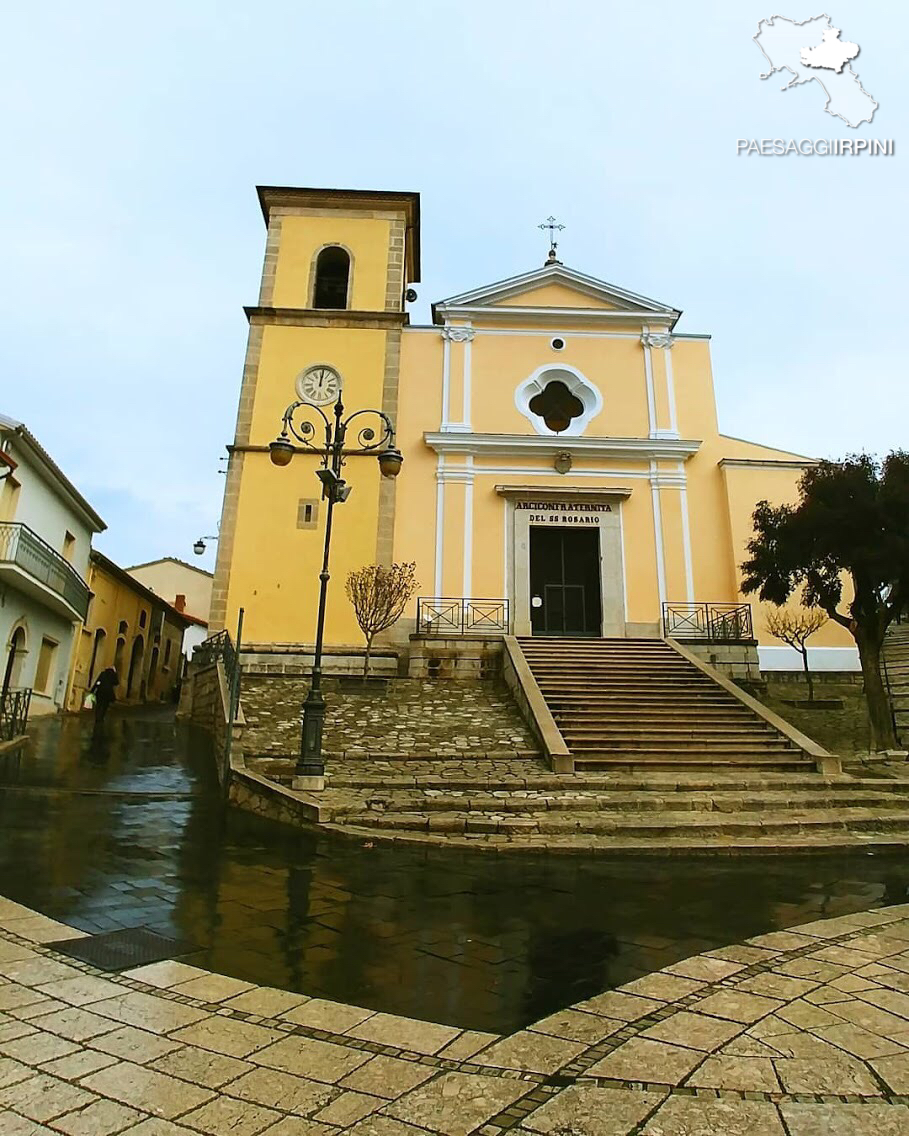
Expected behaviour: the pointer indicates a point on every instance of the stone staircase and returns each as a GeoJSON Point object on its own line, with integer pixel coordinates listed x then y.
{"type": "Point", "coordinates": [650, 813]}
{"type": "Point", "coordinates": [628, 704]}
{"type": "Point", "coordinates": [896, 672]}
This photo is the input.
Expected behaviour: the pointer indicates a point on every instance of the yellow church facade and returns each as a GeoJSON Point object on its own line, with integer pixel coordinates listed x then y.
{"type": "Point", "coordinates": [564, 472]}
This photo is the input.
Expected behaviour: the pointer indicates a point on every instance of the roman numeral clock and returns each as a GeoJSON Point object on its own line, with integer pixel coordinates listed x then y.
{"type": "Point", "coordinates": [319, 385]}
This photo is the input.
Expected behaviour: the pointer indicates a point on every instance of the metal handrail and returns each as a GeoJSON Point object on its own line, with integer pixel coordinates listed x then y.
{"type": "Point", "coordinates": [220, 646]}
{"type": "Point", "coordinates": [716, 622]}
{"type": "Point", "coordinates": [14, 706]}
{"type": "Point", "coordinates": [458, 615]}
{"type": "Point", "coordinates": [21, 546]}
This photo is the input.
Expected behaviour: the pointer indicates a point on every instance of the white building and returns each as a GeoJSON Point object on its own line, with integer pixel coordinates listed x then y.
{"type": "Point", "coordinates": [46, 529]}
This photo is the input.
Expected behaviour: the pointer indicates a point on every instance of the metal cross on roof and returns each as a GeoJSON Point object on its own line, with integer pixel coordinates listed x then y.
{"type": "Point", "coordinates": [553, 227]}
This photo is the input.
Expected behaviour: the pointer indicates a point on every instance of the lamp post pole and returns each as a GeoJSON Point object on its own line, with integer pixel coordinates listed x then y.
{"type": "Point", "coordinates": [310, 768]}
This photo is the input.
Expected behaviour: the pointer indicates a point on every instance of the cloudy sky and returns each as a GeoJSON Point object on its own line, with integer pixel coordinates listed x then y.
{"type": "Point", "coordinates": [131, 236]}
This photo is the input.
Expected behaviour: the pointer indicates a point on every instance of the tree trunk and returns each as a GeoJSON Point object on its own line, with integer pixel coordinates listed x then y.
{"type": "Point", "coordinates": [879, 712]}
{"type": "Point", "coordinates": [808, 677]}
{"type": "Point", "coordinates": [366, 658]}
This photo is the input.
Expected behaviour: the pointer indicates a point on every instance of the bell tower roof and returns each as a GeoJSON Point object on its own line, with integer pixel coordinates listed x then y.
{"type": "Point", "coordinates": [352, 201]}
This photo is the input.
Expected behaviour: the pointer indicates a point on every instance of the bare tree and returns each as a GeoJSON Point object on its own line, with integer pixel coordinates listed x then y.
{"type": "Point", "coordinates": [379, 596]}
{"type": "Point", "coordinates": [795, 626]}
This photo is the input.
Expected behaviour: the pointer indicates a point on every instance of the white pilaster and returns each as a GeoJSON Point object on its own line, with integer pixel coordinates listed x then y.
{"type": "Point", "coordinates": [686, 543]}
{"type": "Point", "coordinates": [468, 534]}
{"type": "Point", "coordinates": [658, 534]}
{"type": "Point", "coordinates": [440, 525]}
{"type": "Point", "coordinates": [648, 376]}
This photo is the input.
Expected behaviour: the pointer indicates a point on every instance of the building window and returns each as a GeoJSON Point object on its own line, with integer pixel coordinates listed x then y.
{"type": "Point", "coordinates": [122, 627]}
{"type": "Point", "coordinates": [332, 278]}
{"type": "Point", "coordinates": [143, 616]}
{"type": "Point", "coordinates": [44, 675]}
{"type": "Point", "coordinates": [308, 514]}
{"type": "Point", "coordinates": [69, 546]}
{"type": "Point", "coordinates": [558, 400]}
{"type": "Point", "coordinates": [557, 406]}
{"type": "Point", "coordinates": [167, 646]}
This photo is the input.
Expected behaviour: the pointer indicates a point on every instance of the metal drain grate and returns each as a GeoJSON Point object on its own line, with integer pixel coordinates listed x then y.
{"type": "Point", "coordinates": [122, 950]}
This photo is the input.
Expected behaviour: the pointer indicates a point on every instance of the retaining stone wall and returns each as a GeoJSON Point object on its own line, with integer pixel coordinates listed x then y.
{"type": "Point", "coordinates": [412, 717]}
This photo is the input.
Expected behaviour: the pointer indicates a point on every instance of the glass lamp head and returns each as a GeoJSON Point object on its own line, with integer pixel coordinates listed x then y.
{"type": "Point", "coordinates": [390, 461]}
{"type": "Point", "coordinates": [281, 451]}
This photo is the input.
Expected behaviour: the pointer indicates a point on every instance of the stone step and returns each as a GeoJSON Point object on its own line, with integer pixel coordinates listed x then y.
{"type": "Point", "coordinates": [637, 762]}
{"type": "Point", "coordinates": [724, 802]}
{"type": "Point", "coordinates": [659, 748]}
{"type": "Point", "coordinates": [621, 731]}
{"type": "Point", "coordinates": [599, 844]}
{"type": "Point", "coordinates": [770, 826]}
{"type": "Point", "coordinates": [650, 781]}
{"type": "Point", "coordinates": [718, 717]}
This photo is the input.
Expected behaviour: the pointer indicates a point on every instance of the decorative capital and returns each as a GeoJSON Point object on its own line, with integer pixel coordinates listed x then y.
{"type": "Point", "coordinates": [458, 334]}
{"type": "Point", "coordinates": [657, 339]}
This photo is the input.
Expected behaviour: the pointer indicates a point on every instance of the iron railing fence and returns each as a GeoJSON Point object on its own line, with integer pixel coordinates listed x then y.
{"type": "Point", "coordinates": [14, 706]}
{"type": "Point", "coordinates": [717, 622]}
{"type": "Point", "coordinates": [220, 646]}
{"type": "Point", "coordinates": [24, 548]}
{"type": "Point", "coordinates": [455, 615]}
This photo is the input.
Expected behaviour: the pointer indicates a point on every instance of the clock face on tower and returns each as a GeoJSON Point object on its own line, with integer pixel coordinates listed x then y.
{"type": "Point", "coordinates": [319, 385]}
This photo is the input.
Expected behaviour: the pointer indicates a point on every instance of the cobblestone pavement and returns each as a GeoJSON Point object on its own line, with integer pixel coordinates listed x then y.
{"type": "Point", "coordinates": [792, 1033]}
{"type": "Point", "coordinates": [414, 717]}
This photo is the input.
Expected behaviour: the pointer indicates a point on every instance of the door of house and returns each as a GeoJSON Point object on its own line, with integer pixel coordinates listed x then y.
{"type": "Point", "coordinates": [565, 581]}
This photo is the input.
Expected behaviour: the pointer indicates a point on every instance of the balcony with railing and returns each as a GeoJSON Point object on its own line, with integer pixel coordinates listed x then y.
{"type": "Point", "coordinates": [30, 564]}
{"type": "Point", "coordinates": [714, 622]}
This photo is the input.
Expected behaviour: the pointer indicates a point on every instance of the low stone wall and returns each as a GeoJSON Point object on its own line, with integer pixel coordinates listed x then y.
{"type": "Point", "coordinates": [205, 701]}
{"type": "Point", "coordinates": [413, 717]}
{"type": "Point", "coordinates": [738, 661]}
{"type": "Point", "coordinates": [297, 659]}
{"type": "Point", "coordinates": [462, 657]}
{"type": "Point", "coordinates": [256, 794]}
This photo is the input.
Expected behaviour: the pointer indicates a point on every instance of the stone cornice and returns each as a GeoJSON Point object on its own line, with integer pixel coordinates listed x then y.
{"type": "Point", "coordinates": [765, 463]}
{"type": "Point", "coordinates": [321, 317]}
{"type": "Point", "coordinates": [559, 493]}
{"type": "Point", "coordinates": [553, 317]}
{"type": "Point", "coordinates": [621, 449]}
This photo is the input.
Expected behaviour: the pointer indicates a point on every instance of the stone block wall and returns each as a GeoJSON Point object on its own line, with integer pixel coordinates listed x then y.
{"type": "Point", "coordinates": [463, 657]}
{"type": "Point", "coordinates": [738, 661]}
{"type": "Point", "coordinates": [405, 717]}
{"type": "Point", "coordinates": [296, 659]}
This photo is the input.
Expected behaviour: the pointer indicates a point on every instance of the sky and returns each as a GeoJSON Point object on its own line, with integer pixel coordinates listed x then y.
{"type": "Point", "coordinates": [131, 238]}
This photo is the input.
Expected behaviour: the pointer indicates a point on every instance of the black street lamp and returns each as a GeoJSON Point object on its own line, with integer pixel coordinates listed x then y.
{"type": "Point", "coordinates": [310, 769]}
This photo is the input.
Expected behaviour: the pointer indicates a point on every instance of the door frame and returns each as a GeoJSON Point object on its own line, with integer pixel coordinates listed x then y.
{"type": "Point", "coordinates": [520, 500]}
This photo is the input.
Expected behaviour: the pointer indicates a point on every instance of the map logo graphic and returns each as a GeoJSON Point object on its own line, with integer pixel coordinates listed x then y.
{"type": "Point", "coordinates": [812, 52]}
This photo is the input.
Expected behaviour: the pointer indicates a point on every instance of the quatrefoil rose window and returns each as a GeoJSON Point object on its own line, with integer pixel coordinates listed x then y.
{"type": "Point", "coordinates": [557, 406]}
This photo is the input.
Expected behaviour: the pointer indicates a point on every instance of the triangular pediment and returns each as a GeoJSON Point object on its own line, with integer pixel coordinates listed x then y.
{"type": "Point", "coordinates": [554, 287]}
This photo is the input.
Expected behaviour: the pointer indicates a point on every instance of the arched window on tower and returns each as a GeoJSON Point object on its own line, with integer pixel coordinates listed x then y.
{"type": "Point", "coordinates": [332, 278]}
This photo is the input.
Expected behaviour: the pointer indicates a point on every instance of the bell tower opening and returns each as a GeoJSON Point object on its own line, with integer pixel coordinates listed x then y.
{"type": "Point", "coordinates": [332, 278]}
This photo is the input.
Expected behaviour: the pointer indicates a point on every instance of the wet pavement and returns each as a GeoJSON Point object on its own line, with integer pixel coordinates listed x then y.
{"type": "Point", "coordinates": [129, 831]}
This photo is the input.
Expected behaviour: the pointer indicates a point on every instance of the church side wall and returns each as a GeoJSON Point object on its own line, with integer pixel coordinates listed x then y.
{"type": "Point", "coordinates": [745, 486]}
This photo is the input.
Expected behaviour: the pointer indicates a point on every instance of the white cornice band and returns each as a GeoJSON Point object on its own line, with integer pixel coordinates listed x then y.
{"type": "Point", "coordinates": [628, 449]}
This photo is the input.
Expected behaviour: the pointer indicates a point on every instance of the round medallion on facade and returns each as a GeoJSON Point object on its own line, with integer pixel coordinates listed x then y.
{"type": "Point", "coordinates": [318, 385]}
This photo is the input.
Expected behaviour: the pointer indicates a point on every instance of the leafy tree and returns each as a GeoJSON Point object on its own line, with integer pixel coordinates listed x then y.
{"type": "Point", "coordinates": [851, 521]}
{"type": "Point", "coordinates": [379, 596]}
{"type": "Point", "coordinates": [795, 626]}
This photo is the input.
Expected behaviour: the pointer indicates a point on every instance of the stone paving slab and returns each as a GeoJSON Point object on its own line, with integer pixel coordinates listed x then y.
{"type": "Point", "coordinates": [796, 1033]}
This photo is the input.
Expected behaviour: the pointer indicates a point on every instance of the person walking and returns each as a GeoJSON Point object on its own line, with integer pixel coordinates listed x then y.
{"type": "Point", "coordinates": [103, 690]}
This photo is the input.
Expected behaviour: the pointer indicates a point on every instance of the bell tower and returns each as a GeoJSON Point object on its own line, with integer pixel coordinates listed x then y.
{"type": "Point", "coordinates": [336, 265]}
